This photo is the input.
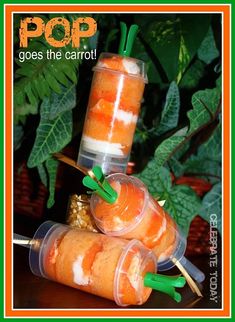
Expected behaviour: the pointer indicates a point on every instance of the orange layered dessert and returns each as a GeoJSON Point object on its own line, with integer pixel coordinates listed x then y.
{"type": "Point", "coordinates": [113, 108]}
{"type": "Point", "coordinates": [109, 267]}
{"type": "Point", "coordinates": [135, 214]}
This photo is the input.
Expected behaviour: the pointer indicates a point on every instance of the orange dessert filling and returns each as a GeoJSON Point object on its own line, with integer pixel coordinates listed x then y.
{"type": "Point", "coordinates": [113, 107]}
{"type": "Point", "coordinates": [131, 218]}
{"type": "Point", "coordinates": [89, 261]}
{"type": "Point", "coordinates": [128, 206]}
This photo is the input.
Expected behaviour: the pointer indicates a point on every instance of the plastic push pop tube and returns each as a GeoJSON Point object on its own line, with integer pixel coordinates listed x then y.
{"type": "Point", "coordinates": [110, 267]}
{"type": "Point", "coordinates": [135, 214]}
{"type": "Point", "coordinates": [114, 102]}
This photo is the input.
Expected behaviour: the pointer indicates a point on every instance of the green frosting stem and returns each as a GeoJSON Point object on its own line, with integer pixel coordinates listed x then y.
{"type": "Point", "coordinates": [100, 185]}
{"type": "Point", "coordinates": [165, 284]}
{"type": "Point", "coordinates": [126, 41]}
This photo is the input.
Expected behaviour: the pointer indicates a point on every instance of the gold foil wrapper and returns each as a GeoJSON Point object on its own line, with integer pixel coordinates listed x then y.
{"type": "Point", "coordinates": [79, 213]}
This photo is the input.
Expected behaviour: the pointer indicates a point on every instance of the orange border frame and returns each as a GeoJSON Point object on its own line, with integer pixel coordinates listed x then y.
{"type": "Point", "coordinates": [9, 9]}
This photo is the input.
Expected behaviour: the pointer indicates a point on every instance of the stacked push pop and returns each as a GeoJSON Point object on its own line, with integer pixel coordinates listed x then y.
{"type": "Point", "coordinates": [139, 237]}
{"type": "Point", "coordinates": [114, 103]}
{"type": "Point", "coordinates": [114, 268]}
{"type": "Point", "coordinates": [129, 211]}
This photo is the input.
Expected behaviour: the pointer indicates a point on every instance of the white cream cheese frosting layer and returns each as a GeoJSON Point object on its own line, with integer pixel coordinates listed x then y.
{"type": "Point", "coordinates": [126, 117]}
{"type": "Point", "coordinates": [78, 275]}
{"type": "Point", "coordinates": [117, 224]}
{"type": "Point", "coordinates": [118, 114]}
{"type": "Point", "coordinates": [133, 272]}
{"type": "Point", "coordinates": [131, 67]}
{"type": "Point", "coordinates": [101, 146]}
{"type": "Point", "coordinates": [160, 232]}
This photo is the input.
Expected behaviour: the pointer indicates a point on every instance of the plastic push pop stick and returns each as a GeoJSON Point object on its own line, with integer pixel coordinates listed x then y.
{"type": "Point", "coordinates": [110, 267]}
{"type": "Point", "coordinates": [113, 108]}
{"type": "Point", "coordinates": [136, 214]}
{"type": "Point", "coordinates": [193, 271]}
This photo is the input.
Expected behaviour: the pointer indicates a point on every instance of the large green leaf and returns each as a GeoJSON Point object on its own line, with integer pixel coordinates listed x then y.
{"type": "Point", "coordinates": [175, 40]}
{"type": "Point", "coordinates": [182, 150]}
{"type": "Point", "coordinates": [51, 165]}
{"type": "Point", "coordinates": [207, 161]}
{"type": "Point", "coordinates": [18, 136]}
{"type": "Point", "coordinates": [207, 52]}
{"type": "Point", "coordinates": [35, 79]}
{"type": "Point", "coordinates": [52, 135]}
{"type": "Point", "coordinates": [158, 180]}
{"type": "Point", "coordinates": [181, 201]}
{"type": "Point", "coordinates": [62, 102]}
{"type": "Point", "coordinates": [182, 204]}
{"type": "Point", "coordinates": [202, 167]}
{"type": "Point", "coordinates": [176, 166]}
{"type": "Point", "coordinates": [140, 52]}
{"type": "Point", "coordinates": [165, 150]}
{"type": "Point", "coordinates": [47, 172]}
{"type": "Point", "coordinates": [24, 110]}
{"type": "Point", "coordinates": [192, 75]}
{"type": "Point", "coordinates": [43, 174]}
{"type": "Point", "coordinates": [193, 29]}
{"type": "Point", "coordinates": [206, 104]}
{"type": "Point", "coordinates": [163, 37]}
{"type": "Point", "coordinates": [219, 82]}
{"type": "Point", "coordinates": [170, 113]}
{"type": "Point", "coordinates": [212, 148]}
{"type": "Point", "coordinates": [211, 205]}
{"type": "Point", "coordinates": [184, 59]}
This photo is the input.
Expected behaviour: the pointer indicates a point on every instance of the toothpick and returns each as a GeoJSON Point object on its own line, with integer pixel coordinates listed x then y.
{"type": "Point", "coordinates": [92, 175]}
{"type": "Point", "coordinates": [189, 280]}
{"type": "Point", "coordinates": [71, 162]}
{"type": "Point", "coordinates": [23, 242]}
{"type": "Point", "coordinates": [26, 241]}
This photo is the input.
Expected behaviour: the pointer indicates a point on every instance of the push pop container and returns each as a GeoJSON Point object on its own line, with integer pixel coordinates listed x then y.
{"type": "Point", "coordinates": [135, 214]}
{"type": "Point", "coordinates": [110, 267]}
{"type": "Point", "coordinates": [114, 268]}
{"type": "Point", "coordinates": [113, 108]}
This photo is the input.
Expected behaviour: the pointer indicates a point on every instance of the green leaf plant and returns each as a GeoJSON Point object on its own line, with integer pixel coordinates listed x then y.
{"type": "Point", "coordinates": [191, 147]}
{"type": "Point", "coordinates": [45, 87]}
{"type": "Point", "coordinates": [182, 202]}
{"type": "Point", "coordinates": [179, 127]}
{"type": "Point", "coordinates": [53, 133]}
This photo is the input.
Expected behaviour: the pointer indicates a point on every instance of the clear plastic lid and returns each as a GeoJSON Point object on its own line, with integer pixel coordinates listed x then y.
{"type": "Point", "coordinates": [135, 261]}
{"type": "Point", "coordinates": [44, 237]}
{"type": "Point", "coordinates": [177, 254]}
{"type": "Point", "coordinates": [126, 65]}
{"type": "Point", "coordinates": [128, 210]}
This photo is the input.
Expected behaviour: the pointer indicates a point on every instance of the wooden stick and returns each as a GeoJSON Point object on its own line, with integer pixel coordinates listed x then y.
{"type": "Point", "coordinates": [22, 242]}
{"type": "Point", "coordinates": [70, 162]}
{"type": "Point", "coordinates": [194, 302]}
{"type": "Point", "coordinates": [189, 279]}
{"type": "Point", "coordinates": [26, 241]}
